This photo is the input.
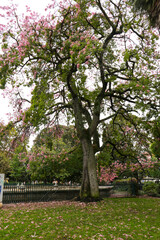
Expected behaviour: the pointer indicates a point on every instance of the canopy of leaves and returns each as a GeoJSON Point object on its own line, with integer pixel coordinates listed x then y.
{"type": "Point", "coordinates": [56, 155]}
{"type": "Point", "coordinates": [87, 62]}
{"type": "Point", "coordinates": [4, 163]}
{"type": "Point", "coordinates": [126, 140]}
{"type": "Point", "coordinates": [11, 144]}
{"type": "Point", "coordinates": [98, 54]}
{"type": "Point", "coordinates": [156, 134]}
{"type": "Point", "coordinates": [18, 172]}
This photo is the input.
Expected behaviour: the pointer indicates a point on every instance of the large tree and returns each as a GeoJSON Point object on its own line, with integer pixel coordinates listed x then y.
{"type": "Point", "coordinates": [87, 62]}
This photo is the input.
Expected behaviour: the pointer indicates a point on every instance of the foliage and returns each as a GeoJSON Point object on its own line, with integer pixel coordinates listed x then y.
{"type": "Point", "coordinates": [154, 172]}
{"type": "Point", "coordinates": [19, 171]}
{"type": "Point", "coordinates": [87, 62]}
{"type": "Point", "coordinates": [152, 7]}
{"type": "Point", "coordinates": [155, 147]}
{"type": "Point", "coordinates": [4, 163]}
{"type": "Point", "coordinates": [151, 188]}
{"type": "Point", "coordinates": [48, 137]}
{"type": "Point", "coordinates": [7, 136]}
{"type": "Point", "coordinates": [108, 174]}
{"type": "Point", "coordinates": [127, 140]}
{"type": "Point", "coordinates": [55, 155]}
{"type": "Point", "coordinates": [12, 142]}
{"type": "Point", "coordinates": [126, 180]}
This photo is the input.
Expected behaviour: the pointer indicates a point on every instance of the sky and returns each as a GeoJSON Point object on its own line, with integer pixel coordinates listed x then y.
{"type": "Point", "coordinates": [37, 6]}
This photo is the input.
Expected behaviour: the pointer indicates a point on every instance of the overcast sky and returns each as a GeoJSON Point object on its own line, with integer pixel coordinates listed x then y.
{"type": "Point", "coordinates": [37, 6]}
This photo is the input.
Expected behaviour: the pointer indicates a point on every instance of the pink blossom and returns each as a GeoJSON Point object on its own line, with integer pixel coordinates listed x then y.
{"type": "Point", "coordinates": [38, 28]}
{"type": "Point", "coordinates": [81, 38]}
{"type": "Point", "coordinates": [28, 167]}
{"type": "Point", "coordinates": [35, 74]}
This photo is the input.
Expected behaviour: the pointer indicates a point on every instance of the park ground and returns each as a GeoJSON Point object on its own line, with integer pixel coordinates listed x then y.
{"type": "Point", "coordinates": [112, 218]}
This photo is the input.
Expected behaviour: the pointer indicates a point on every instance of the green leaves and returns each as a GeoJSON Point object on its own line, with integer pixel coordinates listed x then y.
{"type": "Point", "coordinates": [131, 54]}
{"type": "Point", "coordinates": [57, 155]}
{"type": "Point", "coordinates": [152, 8]}
{"type": "Point", "coordinates": [155, 146]}
{"type": "Point", "coordinates": [90, 61]}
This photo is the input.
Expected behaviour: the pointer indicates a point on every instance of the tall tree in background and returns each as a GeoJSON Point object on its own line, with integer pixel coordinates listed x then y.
{"type": "Point", "coordinates": [87, 62]}
{"type": "Point", "coordinates": [7, 136]}
{"type": "Point", "coordinates": [55, 155]}
{"type": "Point", "coordinates": [12, 143]}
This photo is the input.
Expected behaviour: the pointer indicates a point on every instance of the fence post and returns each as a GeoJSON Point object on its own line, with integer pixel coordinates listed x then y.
{"type": "Point", "coordinates": [1, 188]}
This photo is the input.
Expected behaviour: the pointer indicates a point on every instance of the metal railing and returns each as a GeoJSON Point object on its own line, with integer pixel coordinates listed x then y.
{"type": "Point", "coordinates": [15, 193]}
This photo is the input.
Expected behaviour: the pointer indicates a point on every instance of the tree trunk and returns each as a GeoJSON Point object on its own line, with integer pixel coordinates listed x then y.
{"type": "Point", "coordinates": [89, 187]}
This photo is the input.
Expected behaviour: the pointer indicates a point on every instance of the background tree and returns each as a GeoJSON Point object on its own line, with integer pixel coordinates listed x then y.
{"type": "Point", "coordinates": [18, 172]}
{"type": "Point", "coordinates": [155, 147]}
{"type": "Point", "coordinates": [127, 141]}
{"type": "Point", "coordinates": [12, 142]}
{"type": "Point", "coordinates": [48, 135]}
{"type": "Point", "coordinates": [56, 155]}
{"type": "Point", "coordinates": [7, 145]}
{"type": "Point", "coordinates": [4, 163]}
{"type": "Point", "coordinates": [4, 156]}
{"type": "Point", "coordinates": [87, 61]}
{"type": "Point", "coordinates": [127, 138]}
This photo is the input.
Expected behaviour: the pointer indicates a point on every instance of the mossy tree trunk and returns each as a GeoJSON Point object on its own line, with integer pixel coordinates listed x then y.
{"type": "Point", "coordinates": [89, 186]}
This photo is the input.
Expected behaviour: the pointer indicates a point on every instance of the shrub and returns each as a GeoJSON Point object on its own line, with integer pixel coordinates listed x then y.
{"type": "Point", "coordinates": [126, 180]}
{"type": "Point", "coordinates": [158, 189]}
{"type": "Point", "coordinates": [151, 189]}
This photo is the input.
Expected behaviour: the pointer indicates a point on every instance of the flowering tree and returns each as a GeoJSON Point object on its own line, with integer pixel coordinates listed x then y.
{"type": "Point", "coordinates": [126, 138]}
{"type": "Point", "coordinates": [45, 165]}
{"type": "Point", "coordinates": [55, 155]}
{"type": "Point", "coordinates": [86, 61]}
{"type": "Point", "coordinates": [129, 141]}
{"type": "Point", "coordinates": [108, 174]}
{"type": "Point", "coordinates": [11, 145]}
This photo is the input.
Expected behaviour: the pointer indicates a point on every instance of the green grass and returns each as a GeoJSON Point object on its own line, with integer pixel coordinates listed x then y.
{"type": "Point", "coordinates": [116, 218]}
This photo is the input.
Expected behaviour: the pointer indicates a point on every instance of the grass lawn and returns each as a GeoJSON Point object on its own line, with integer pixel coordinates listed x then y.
{"type": "Point", "coordinates": [113, 218]}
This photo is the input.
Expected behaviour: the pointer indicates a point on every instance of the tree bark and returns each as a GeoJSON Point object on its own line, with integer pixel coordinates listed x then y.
{"type": "Point", "coordinates": [89, 187]}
